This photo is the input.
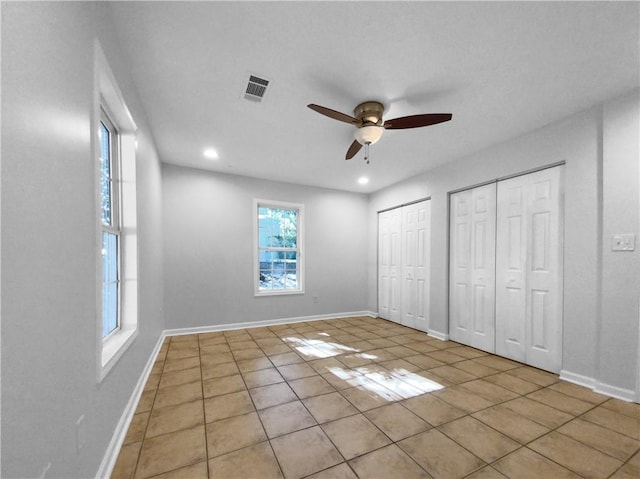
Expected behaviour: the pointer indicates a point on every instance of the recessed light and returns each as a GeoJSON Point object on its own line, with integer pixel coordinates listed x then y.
{"type": "Point", "coordinates": [363, 180]}
{"type": "Point", "coordinates": [210, 153]}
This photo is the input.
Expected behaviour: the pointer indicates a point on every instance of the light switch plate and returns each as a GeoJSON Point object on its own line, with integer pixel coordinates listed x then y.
{"type": "Point", "coordinates": [623, 242]}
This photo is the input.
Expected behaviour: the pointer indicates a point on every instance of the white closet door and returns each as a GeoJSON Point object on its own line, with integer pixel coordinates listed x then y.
{"type": "Point", "coordinates": [544, 310]}
{"type": "Point", "coordinates": [529, 269]}
{"type": "Point", "coordinates": [511, 268]}
{"type": "Point", "coordinates": [389, 261]}
{"type": "Point", "coordinates": [472, 264]}
{"type": "Point", "coordinates": [384, 260]}
{"type": "Point", "coordinates": [416, 219]}
{"type": "Point", "coordinates": [394, 266]}
{"type": "Point", "coordinates": [459, 267]}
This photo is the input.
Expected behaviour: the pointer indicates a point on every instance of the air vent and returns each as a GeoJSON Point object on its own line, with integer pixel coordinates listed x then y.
{"type": "Point", "coordinates": [256, 88]}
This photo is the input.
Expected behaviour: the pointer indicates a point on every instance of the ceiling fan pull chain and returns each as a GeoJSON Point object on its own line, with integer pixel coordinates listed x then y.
{"type": "Point", "coordinates": [366, 152]}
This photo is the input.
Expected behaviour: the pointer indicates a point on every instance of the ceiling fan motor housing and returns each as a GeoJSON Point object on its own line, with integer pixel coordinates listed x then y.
{"type": "Point", "coordinates": [369, 113]}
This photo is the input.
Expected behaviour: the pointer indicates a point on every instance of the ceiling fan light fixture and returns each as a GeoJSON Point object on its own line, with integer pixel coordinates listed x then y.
{"type": "Point", "coordinates": [368, 134]}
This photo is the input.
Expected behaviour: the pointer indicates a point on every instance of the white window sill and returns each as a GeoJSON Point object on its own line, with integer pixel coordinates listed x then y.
{"type": "Point", "coordinates": [114, 347]}
{"type": "Point", "coordinates": [280, 292]}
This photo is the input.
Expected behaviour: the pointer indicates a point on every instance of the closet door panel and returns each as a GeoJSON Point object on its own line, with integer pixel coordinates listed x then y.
{"type": "Point", "coordinates": [544, 311]}
{"type": "Point", "coordinates": [409, 220]}
{"type": "Point", "coordinates": [403, 264]}
{"type": "Point", "coordinates": [395, 224]}
{"type": "Point", "coordinates": [422, 266]}
{"type": "Point", "coordinates": [384, 261]}
{"type": "Point", "coordinates": [472, 267]}
{"type": "Point", "coordinates": [529, 269]}
{"type": "Point", "coordinates": [459, 267]}
{"type": "Point", "coordinates": [415, 274]}
{"type": "Point", "coordinates": [511, 272]}
{"type": "Point", "coordinates": [483, 271]}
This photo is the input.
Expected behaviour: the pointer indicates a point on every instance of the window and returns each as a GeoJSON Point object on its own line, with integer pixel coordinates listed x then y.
{"type": "Point", "coordinates": [279, 244]}
{"type": "Point", "coordinates": [114, 134]}
{"type": "Point", "coordinates": [110, 225]}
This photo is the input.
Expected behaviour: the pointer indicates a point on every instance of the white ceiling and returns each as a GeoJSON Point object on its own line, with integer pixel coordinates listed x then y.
{"type": "Point", "coordinates": [502, 69]}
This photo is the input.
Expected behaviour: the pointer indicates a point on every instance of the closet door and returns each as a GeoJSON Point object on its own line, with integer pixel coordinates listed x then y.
{"type": "Point", "coordinates": [416, 220]}
{"type": "Point", "coordinates": [529, 269]}
{"type": "Point", "coordinates": [472, 267]}
{"type": "Point", "coordinates": [389, 230]}
{"type": "Point", "coordinates": [384, 260]}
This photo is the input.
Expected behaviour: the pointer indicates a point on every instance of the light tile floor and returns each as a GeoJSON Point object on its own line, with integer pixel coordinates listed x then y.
{"type": "Point", "coordinates": [366, 398]}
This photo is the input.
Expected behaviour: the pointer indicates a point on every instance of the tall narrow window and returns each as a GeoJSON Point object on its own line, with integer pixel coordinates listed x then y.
{"type": "Point", "coordinates": [110, 224]}
{"type": "Point", "coordinates": [116, 240]}
{"type": "Point", "coordinates": [279, 266]}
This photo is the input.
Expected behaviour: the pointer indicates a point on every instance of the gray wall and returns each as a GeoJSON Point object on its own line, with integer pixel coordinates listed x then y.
{"type": "Point", "coordinates": [600, 337]}
{"type": "Point", "coordinates": [620, 270]}
{"type": "Point", "coordinates": [208, 244]}
{"type": "Point", "coordinates": [49, 245]}
{"type": "Point", "coordinates": [204, 275]}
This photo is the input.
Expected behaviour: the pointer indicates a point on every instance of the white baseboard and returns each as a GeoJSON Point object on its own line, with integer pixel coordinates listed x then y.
{"type": "Point", "coordinates": [628, 395]}
{"type": "Point", "coordinates": [113, 449]}
{"type": "Point", "coordinates": [438, 335]}
{"type": "Point", "coordinates": [598, 387]}
{"type": "Point", "coordinates": [263, 323]}
{"type": "Point", "coordinates": [578, 379]}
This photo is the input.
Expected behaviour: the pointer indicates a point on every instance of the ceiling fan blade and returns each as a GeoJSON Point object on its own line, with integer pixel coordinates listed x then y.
{"type": "Point", "coordinates": [353, 149]}
{"type": "Point", "coordinates": [336, 115]}
{"type": "Point", "coordinates": [415, 121]}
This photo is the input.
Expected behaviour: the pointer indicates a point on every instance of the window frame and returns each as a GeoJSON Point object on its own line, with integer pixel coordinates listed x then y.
{"type": "Point", "coordinates": [115, 197]}
{"type": "Point", "coordinates": [299, 250]}
{"type": "Point", "coordinates": [108, 98]}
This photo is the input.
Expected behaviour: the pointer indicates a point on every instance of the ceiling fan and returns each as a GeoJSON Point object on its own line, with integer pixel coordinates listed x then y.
{"type": "Point", "coordinates": [369, 125]}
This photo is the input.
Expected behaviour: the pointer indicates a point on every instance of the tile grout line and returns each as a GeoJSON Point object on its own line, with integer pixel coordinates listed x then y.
{"type": "Point", "coordinates": [183, 429]}
{"type": "Point", "coordinates": [319, 425]}
{"type": "Point", "coordinates": [268, 440]}
{"type": "Point", "coordinates": [314, 418]}
{"type": "Point", "coordinates": [362, 413]}
{"type": "Point", "coordinates": [305, 332]}
{"type": "Point", "coordinates": [552, 430]}
{"type": "Point", "coordinates": [204, 412]}
{"type": "Point", "coordinates": [167, 341]}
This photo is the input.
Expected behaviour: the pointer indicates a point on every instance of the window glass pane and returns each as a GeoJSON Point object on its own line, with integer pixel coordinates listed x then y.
{"type": "Point", "coordinates": [109, 257]}
{"type": "Point", "coordinates": [277, 228]}
{"type": "Point", "coordinates": [278, 270]}
{"type": "Point", "coordinates": [291, 281]}
{"type": "Point", "coordinates": [109, 308]}
{"type": "Point", "coordinates": [265, 279]}
{"type": "Point", "coordinates": [105, 173]}
{"type": "Point", "coordinates": [290, 272]}
{"type": "Point", "coordinates": [109, 283]}
{"type": "Point", "coordinates": [287, 231]}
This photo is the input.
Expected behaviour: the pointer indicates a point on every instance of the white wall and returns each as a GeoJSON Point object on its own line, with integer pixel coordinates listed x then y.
{"type": "Point", "coordinates": [49, 245]}
{"type": "Point", "coordinates": [577, 141]}
{"type": "Point", "coordinates": [208, 233]}
{"type": "Point", "coordinates": [620, 270]}
{"type": "Point", "coordinates": [48, 241]}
